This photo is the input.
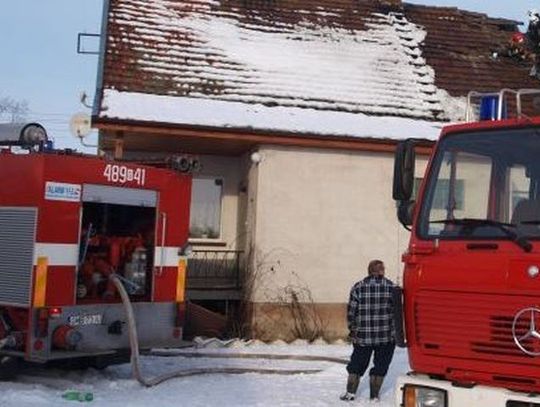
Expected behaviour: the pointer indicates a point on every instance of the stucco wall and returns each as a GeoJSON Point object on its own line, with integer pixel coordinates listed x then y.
{"type": "Point", "coordinates": [324, 214]}
{"type": "Point", "coordinates": [321, 217]}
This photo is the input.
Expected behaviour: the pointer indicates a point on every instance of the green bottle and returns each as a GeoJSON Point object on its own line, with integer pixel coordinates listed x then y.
{"type": "Point", "coordinates": [78, 396]}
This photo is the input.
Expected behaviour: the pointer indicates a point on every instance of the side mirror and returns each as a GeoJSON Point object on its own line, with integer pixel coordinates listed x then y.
{"type": "Point", "coordinates": [402, 189]}
{"type": "Point", "coordinates": [405, 212]}
{"type": "Point", "coordinates": [404, 171]}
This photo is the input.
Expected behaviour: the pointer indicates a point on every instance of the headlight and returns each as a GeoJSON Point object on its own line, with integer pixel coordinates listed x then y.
{"type": "Point", "coordinates": [419, 396]}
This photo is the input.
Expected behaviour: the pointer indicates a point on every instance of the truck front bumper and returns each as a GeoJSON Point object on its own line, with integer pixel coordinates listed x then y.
{"type": "Point", "coordinates": [455, 396]}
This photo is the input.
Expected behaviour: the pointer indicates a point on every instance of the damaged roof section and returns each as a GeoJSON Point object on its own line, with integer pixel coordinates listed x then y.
{"type": "Point", "coordinates": [462, 48]}
{"type": "Point", "coordinates": [347, 57]}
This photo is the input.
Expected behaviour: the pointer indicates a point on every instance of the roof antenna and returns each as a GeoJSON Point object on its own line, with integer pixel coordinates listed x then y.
{"type": "Point", "coordinates": [83, 99]}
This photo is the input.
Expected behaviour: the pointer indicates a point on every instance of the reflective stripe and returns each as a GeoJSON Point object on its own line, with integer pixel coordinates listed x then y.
{"type": "Point", "coordinates": [170, 256]}
{"type": "Point", "coordinates": [181, 280]}
{"type": "Point", "coordinates": [59, 254]}
{"type": "Point", "coordinates": [41, 282]}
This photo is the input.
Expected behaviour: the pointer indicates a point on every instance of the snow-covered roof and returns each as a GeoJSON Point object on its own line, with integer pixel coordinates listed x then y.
{"type": "Point", "coordinates": [237, 115]}
{"type": "Point", "coordinates": [278, 65]}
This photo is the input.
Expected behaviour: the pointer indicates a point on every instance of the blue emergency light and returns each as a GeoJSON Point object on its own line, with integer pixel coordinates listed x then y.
{"type": "Point", "coordinates": [489, 108]}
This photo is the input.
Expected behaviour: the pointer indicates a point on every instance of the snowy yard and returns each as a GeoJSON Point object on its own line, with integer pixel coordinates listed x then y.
{"type": "Point", "coordinates": [114, 386]}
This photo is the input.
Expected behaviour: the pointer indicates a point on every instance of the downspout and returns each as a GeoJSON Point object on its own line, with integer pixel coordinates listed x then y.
{"type": "Point", "coordinates": [252, 214]}
{"type": "Point", "coordinates": [98, 95]}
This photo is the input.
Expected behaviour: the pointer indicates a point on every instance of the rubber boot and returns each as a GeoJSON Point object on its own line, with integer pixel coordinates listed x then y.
{"type": "Point", "coordinates": [353, 380]}
{"type": "Point", "coordinates": [375, 383]}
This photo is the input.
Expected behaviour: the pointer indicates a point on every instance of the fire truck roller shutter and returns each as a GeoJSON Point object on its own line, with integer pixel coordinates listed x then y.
{"type": "Point", "coordinates": [119, 196]}
{"type": "Point", "coordinates": [17, 237]}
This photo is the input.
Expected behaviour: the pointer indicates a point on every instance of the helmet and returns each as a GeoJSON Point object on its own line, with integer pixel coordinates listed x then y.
{"type": "Point", "coordinates": [534, 16]}
{"type": "Point", "coordinates": [518, 38]}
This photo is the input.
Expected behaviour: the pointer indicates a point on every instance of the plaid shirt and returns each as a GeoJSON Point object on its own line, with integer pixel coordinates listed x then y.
{"type": "Point", "coordinates": [370, 312]}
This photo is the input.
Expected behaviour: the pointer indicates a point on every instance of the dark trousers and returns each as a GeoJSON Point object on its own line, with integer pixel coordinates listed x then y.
{"type": "Point", "coordinates": [381, 361]}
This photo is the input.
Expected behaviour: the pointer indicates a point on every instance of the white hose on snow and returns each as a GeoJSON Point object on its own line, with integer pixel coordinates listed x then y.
{"type": "Point", "coordinates": [135, 356]}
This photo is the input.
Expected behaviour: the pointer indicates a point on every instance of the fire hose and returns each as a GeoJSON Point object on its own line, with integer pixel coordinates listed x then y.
{"type": "Point", "coordinates": [135, 354]}
{"type": "Point", "coordinates": [271, 356]}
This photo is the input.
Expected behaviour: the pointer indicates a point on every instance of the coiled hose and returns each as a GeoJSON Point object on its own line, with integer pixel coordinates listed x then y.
{"type": "Point", "coordinates": [135, 356]}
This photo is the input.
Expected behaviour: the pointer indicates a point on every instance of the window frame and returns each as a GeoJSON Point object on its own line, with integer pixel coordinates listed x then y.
{"type": "Point", "coordinates": [435, 160]}
{"type": "Point", "coordinates": [219, 238]}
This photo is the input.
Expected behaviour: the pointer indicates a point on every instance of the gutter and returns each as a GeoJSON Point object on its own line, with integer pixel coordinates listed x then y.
{"type": "Point", "coordinates": [98, 95]}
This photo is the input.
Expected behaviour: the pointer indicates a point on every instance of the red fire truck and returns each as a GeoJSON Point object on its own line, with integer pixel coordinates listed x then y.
{"type": "Point", "coordinates": [471, 274]}
{"type": "Point", "coordinates": [67, 223]}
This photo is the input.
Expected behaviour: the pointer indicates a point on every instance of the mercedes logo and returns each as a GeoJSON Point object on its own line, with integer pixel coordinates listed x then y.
{"type": "Point", "coordinates": [530, 315]}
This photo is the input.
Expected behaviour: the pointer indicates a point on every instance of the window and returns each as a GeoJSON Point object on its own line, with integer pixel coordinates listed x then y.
{"type": "Point", "coordinates": [442, 192]}
{"type": "Point", "coordinates": [499, 168]}
{"type": "Point", "coordinates": [440, 200]}
{"type": "Point", "coordinates": [450, 200]}
{"type": "Point", "coordinates": [205, 219]}
{"type": "Point", "coordinates": [519, 185]}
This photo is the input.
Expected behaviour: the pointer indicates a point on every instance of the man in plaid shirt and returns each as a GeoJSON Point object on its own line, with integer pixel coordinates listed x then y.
{"type": "Point", "coordinates": [371, 325]}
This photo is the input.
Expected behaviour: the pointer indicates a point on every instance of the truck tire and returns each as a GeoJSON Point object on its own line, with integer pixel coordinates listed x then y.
{"type": "Point", "coordinates": [9, 367]}
{"type": "Point", "coordinates": [91, 362]}
{"type": "Point", "coordinates": [101, 362]}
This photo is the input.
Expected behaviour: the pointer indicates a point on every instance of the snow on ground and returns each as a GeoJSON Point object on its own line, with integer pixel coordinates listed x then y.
{"type": "Point", "coordinates": [114, 386]}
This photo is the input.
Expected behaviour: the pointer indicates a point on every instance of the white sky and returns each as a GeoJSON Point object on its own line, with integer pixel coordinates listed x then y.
{"type": "Point", "coordinates": [516, 9]}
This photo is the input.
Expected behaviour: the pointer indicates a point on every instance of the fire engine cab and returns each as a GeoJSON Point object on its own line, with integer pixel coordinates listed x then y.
{"type": "Point", "coordinates": [69, 222]}
{"type": "Point", "coordinates": [471, 279]}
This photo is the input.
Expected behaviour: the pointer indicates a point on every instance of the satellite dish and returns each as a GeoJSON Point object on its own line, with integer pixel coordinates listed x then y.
{"type": "Point", "coordinates": [80, 125]}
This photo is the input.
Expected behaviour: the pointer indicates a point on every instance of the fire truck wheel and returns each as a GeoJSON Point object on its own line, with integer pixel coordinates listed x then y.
{"type": "Point", "coordinates": [9, 367]}
{"type": "Point", "coordinates": [101, 362]}
{"type": "Point", "coordinates": [77, 364]}
{"type": "Point", "coordinates": [91, 362]}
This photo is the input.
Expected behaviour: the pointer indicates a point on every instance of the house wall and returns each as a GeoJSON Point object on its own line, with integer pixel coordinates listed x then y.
{"type": "Point", "coordinates": [321, 216]}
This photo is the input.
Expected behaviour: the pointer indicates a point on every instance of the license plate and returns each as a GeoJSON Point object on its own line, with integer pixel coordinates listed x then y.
{"type": "Point", "coordinates": [80, 320]}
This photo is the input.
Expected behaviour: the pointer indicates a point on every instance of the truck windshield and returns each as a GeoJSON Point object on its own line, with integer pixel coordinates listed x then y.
{"type": "Point", "coordinates": [484, 185]}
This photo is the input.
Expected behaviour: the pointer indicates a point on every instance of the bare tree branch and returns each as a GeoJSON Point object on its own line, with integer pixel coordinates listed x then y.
{"type": "Point", "coordinates": [14, 110]}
